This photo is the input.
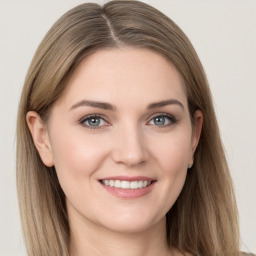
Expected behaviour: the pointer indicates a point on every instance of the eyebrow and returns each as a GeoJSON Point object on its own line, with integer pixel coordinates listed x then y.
{"type": "Point", "coordinates": [165, 103]}
{"type": "Point", "coordinates": [107, 106]}
{"type": "Point", "coordinates": [94, 104]}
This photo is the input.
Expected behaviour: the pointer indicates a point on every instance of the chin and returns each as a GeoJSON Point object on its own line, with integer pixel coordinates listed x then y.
{"type": "Point", "coordinates": [132, 223]}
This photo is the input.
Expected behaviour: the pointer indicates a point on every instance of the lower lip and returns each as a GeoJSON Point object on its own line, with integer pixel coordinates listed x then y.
{"type": "Point", "coordinates": [129, 193]}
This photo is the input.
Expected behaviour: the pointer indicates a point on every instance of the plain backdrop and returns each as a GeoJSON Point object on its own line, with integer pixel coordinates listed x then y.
{"type": "Point", "coordinates": [224, 35]}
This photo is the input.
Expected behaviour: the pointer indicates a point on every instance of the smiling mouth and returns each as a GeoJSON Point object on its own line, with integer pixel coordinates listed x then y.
{"type": "Point", "coordinates": [124, 184]}
{"type": "Point", "coordinates": [126, 187]}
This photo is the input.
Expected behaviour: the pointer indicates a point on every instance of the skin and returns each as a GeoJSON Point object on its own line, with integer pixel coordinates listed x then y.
{"type": "Point", "coordinates": [129, 141]}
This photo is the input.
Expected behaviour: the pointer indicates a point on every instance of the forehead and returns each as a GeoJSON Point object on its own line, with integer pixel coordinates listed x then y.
{"type": "Point", "coordinates": [122, 74]}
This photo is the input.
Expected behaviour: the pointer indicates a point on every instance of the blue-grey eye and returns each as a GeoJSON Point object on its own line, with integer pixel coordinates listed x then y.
{"type": "Point", "coordinates": [162, 120]}
{"type": "Point", "coordinates": [93, 122]}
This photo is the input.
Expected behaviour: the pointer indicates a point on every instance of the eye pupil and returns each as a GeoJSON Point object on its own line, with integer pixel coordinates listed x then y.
{"type": "Point", "coordinates": [160, 120]}
{"type": "Point", "coordinates": [94, 121]}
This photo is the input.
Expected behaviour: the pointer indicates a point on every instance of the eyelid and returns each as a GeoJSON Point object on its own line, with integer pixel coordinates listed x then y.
{"type": "Point", "coordinates": [87, 117]}
{"type": "Point", "coordinates": [171, 118]}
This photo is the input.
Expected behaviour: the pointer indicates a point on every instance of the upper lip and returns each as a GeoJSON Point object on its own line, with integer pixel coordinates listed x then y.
{"type": "Point", "coordinates": [129, 178]}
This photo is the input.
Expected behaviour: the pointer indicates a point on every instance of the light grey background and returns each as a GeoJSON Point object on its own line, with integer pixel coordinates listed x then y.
{"type": "Point", "coordinates": [224, 35]}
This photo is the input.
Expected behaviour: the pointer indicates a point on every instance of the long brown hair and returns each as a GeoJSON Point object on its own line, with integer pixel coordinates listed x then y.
{"type": "Point", "coordinates": [204, 219]}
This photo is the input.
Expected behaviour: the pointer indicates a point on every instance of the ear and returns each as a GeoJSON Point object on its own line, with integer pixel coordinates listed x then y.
{"type": "Point", "coordinates": [40, 137]}
{"type": "Point", "coordinates": [196, 133]}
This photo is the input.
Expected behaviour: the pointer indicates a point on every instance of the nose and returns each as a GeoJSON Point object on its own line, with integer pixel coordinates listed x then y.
{"type": "Point", "coordinates": [129, 147]}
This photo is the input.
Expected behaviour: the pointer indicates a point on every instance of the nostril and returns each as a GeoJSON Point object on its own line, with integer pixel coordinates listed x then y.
{"type": "Point", "coordinates": [129, 145]}
{"type": "Point", "coordinates": [130, 159]}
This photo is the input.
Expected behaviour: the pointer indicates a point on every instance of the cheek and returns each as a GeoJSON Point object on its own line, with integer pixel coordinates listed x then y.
{"type": "Point", "coordinates": [172, 156]}
{"type": "Point", "coordinates": [173, 151]}
{"type": "Point", "coordinates": [76, 156]}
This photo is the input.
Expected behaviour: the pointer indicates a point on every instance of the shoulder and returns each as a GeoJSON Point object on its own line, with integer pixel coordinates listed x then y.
{"type": "Point", "coordinates": [242, 254]}
{"type": "Point", "coordinates": [247, 254]}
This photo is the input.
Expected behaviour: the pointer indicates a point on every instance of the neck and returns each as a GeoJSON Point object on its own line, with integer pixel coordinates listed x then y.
{"type": "Point", "coordinates": [90, 239]}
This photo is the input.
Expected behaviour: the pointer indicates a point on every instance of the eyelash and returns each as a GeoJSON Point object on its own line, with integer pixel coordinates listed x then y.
{"type": "Point", "coordinates": [170, 118]}
{"type": "Point", "coordinates": [94, 116]}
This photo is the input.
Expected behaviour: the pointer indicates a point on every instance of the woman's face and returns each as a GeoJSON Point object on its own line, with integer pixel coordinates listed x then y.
{"type": "Point", "coordinates": [121, 139]}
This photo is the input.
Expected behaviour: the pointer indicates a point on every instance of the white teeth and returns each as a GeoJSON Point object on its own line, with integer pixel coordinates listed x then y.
{"type": "Point", "coordinates": [105, 182]}
{"type": "Point", "coordinates": [124, 184]}
{"type": "Point", "coordinates": [117, 184]}
{"type": "Point", "coordinates": [134, 185]}
{"type": "Point", "coordinates": [111, 183]}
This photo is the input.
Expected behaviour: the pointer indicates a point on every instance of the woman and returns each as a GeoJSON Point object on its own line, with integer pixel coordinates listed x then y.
{"type": "Point", "coordinates": [118, 148]}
